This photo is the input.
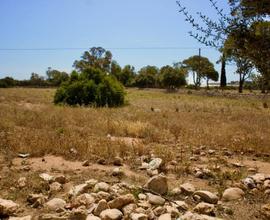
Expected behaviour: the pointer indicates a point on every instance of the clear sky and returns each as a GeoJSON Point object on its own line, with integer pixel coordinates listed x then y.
{"type": "Point", "coordinates": [87, 23]}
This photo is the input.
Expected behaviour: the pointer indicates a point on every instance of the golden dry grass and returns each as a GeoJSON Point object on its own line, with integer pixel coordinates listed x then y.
{"type": "Point", "coordinates": [30, 122]}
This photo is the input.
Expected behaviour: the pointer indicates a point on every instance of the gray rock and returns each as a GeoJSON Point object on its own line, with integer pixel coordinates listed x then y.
{"type": "Point", "coordinates": [155, 200]}
{"type": "Point", "coordinates": [7, 207]}
{"type": "Point", "coordinates": [138, 216]}
{"type": "Point", "coordinates": [232, 194]}
{"type": "Point", "coordinates": [204, 208]}
{"type": "Point", "coordinates": [101, 206]}
{"type": "Point", "coordinates": [187, 188]}
{"type": "Point", "coordinates": [158, 184]}
{"type": "Point", "coordinates": [55, 204]}
{"type": "Point", "coordinates": [155, 164]}
{"type": "Point", "coordinates": [207, 196]}
{"type": "Point", "coordinates": [111, 214]}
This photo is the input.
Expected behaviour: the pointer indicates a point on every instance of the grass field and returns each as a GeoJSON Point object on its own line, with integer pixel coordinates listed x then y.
{"type": "Point", "coordinates": [31, 123]}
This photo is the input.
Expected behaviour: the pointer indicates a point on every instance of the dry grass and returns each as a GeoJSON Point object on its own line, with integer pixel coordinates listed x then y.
{"type": "Point", "coordinates": [29, 122]}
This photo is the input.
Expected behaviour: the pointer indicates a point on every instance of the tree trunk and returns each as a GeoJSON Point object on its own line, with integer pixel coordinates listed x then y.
{"type": "Point", "coordinates": [223, 79]}
{"type": "Point", "coordinates": [207, 83]}
{"type": "Point", "coordinates": [240, 89]}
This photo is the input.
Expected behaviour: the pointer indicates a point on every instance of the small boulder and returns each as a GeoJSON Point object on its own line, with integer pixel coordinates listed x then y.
{"type": "Point", "coordinates": [121, 201]}
{"type": "Point", "coordinates": [206, 196]}
{"type": "Point", "coordinates": [155, 200]}
{"type": "Point", "coordinates": [166, 216]}
{"type": "Point", "coordinates": [92, 217]}
{"type": "Point", "coordinates": [46, 177]}
{"type": "Point", "coordinates": [155, 164]}
{"type": "Point", "coordinates": [55, 204]}
{"type": "Point", "coordinates": [204, 208]}
{"type": "Point", "coordinates": [118, 161]}
{"type": "Point", "coordinates": [111, 214]}
{"type": "Point", "coordinates": [138, 216]}
{"type": "Point", "coordinates": [187, 188]}
{"type": "Point", "coordinates": [79, 189]}
{"type": "Point", "coordinates": [101, 206]}
{"type": "Point", "coordinates": [232, 194]}
{"type": "Point", "coordinates": [8, 207]}
{"type": "Point", "coordinates": [158, 184]}
{"type": "Point", "coordinates": [102, 186]}
{"type": "Point", "coordinates": [22, 182]}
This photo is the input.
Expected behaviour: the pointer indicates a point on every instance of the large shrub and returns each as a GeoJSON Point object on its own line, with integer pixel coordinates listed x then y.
{"type": "Point", "coordinates": [91, 87]}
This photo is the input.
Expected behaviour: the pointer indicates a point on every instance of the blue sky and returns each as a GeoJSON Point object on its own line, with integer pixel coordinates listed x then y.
{"type": "Point", "coordinates": [87, 23]}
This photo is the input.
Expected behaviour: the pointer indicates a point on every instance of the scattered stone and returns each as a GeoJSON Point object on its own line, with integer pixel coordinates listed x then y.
{"type": "Point", "coordinates": [249, 183]}
{"type": "Point", "coordinates": [23, 155]}
{"type": "Point", "coordinates": [101, 206]}
{"type": "Point", "coordinates": [155, 200]}
{"type": "Point", "coordinates": [117, 172]}
{"type": "Point", "coordinates": [142, 196]}
{"type": "Point", "coordinates": [128, 209]}
{"type": "Point", "coordinates": [166, 216]}
{"type": "Point", "coordinates": [155, 164]}
{"type": "Point", "coordinates": [92, 217]}
{"type": "Point", "coordinates": [138, 216]}
{"type": "Point", "coordinates": [83, 200]}
{"type": "Point", "coordinates": [187, 188]}
{"type": "Point", "coordinates": [36, 200]}
{"type": "Point", "coordinates": [79, 189]}
{"type": "Point", "coordinates": [8, 207]}
{"type": "Point", "coordinates": [46, 177]}
{"type": "Point", "coordinates": [181, 205]}
{"type": "Point", "coordinates": [86, 163]}
{"type": "Point", "coordinates": [232, 194]}
{"type": "Point", "coordinates": [102, 186]}
{"type": "Point", "coordinates": [265, 210]}
{"type": "Point", "coordinates": [55, 187]}
{"type": "Point", "coordinates": [258, 178]}
{"type": "Point", "coordinates": [207, 196]}
{"type": "Point", "coordinates": [55, 204]}
{"type": "Point", "coordinates": [158, 184]}
{"type": "Point", "coordinates": [204, 208]}
{"type": "Point", "coordinates": [111, 214]}
{"type": "Point", "coordinates": [118, 161]}
{"type": "Point", "coordinates": [195, 216]}
{"type": "Point", "coordinates": [101, 161]}
{"type": "Point", "coordinates": [61, 179]}
{"type": "Point", "coordinates": [28, 217]}
{"type": "Point", "coordinates": [22, 182]}
{"type": "Point", "coordinates": [159, 210]}
{"type": "Point", "coordinates": [121, 201]}
{"type": "Point", "coordinates": [73, 151]}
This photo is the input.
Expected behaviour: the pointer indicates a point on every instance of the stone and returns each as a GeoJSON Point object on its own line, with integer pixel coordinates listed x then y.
{"type": "Point", "coordinates": [55, 187]}
{"type": "Point", "coordinates": [55, 204]}
{"type": "Point", "coordinates": [155, 200]}
{"type": "Point", "coordinates": [138, 216]}
{"type": "Point", "coordinates": [121, 201]}
{"type": "Point", "coordinates": [103, 195]}
{"type": "Point", "coordinates": [204, 208]}
{"type": "Point", "coordinates": [84, 199]}
{"type": "Point", "coordinates": [117, 172]}
{"type": "Point", "coordinates": [181, 205]}
{"type": "Point", "coordinates": [266, 184]}
{"type": "Point", "coordinates": [232, 194]}
{"type": "Point", "coordinates": [187, 188]}
{"type": "Point", "coordinates": [85, 163]}
{"type": "Point", "coordinates": [265, 211]}
{"type": "Point", "coordinates": [28, 217]}
{"type": "Point", "coordinates": [166, 216]}
{"type": "Point", "coordinates": [79, 189]}
{"type": "Point", "coordinates": [46, 177]}
{"type": "Point", "coordinates": [158, 184]}
{"type": "Point", "coordinates": [111, 214]}
{"type": "Point", "coordinates": [128, 209]}
{"type": "Point", "coordinates": [206, 196]}
{"type": "Point", "coordinates": [101, 206]}
{"type": "Point", "coordinates": [159, 210]}
{"type": "Point", "coordinates": [8, 207]}
{"type": "Point", "coordinates": [155, 164]}
{"type": "Point", "coordinates": [249, 183]}
{"type": "Point", "coordinates": [92, 217]}
{"type": "Point", "coordinates": [118, 161]}
{"type": "Point", "coordinates": [142, 196]}
{"type": "Point", "coordinates": [91, 182]}
{"type": "Point", "coordinates": [61, 179]}
{"type": "Point", "coordinates": [258, 178]}
{"type": "Point", "coordinates": [22, 182]}
{"type": "Point", "coordinates": [195, 216]}
{"type": "Point", "coordinates": [102, 186]}
{"type": "Point", "coordinates": [36, 200]}
{"type": "Point", "coordinates": [172, 210]}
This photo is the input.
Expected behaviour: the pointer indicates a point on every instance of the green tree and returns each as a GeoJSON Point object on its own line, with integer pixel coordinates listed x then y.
{"type": "Point", "coordinates": [96, 57]}
{"type": "Point", "coordinates": [127, 75]}
{"type": "Point", "coordinates": [55, 77]}
{"type": "Point", "coordinates": [116, 70]}
{"type": "Point", "coordinates": [201, 68]}
{"type": "Point", "coordinates": [147, 77]}
{"type": "Point", "coordinates": [172, 78]}
{"type": "Point", "coordinates": [7, 82]}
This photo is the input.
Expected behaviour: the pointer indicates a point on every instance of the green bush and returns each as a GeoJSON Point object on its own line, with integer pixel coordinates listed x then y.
{"type": "Point", "coordinates": [92, 87]}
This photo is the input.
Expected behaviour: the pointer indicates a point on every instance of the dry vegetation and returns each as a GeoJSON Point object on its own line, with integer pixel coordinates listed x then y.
{"type": "Point", "coordinates": [30, 123]}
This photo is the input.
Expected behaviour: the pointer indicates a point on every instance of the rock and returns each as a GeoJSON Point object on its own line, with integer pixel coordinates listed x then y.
{"type": "Point", "coordinates": [187, 188]}
{"type": "Point", "coordinates": [138, 216]}
{"type": "Point", "coordinates": [195, 216]}
{"type": "Point", "coordinates": [232, 194]}
{"type": "Point", "coordinates": [249, 183]}
{"type": "Point", "coordinates": [52, 217]}
{"type": "Point", "coordinates": [266, 184]}
{"type": "Point", "coordinates": [55, 204]}
{"type": "Point", "coordinates": [111, 214]}
{"type": "Point", "coordinates": [79, 214]}
{"type": "Point", "coordinates": [101, 206]}
{"type": "Point", "coordinates": [103, 195]}
{"type": "Point", "coordinates": [142, 196]}
{"type": "Point", "coordinates": [121, 201]}
{"type": "Point", "coordinates": [101, 161]}
{"type": "Point", "coordinates": [128, 209]}
{"type": "Point", "coordinates": [28, 217]}
{"type": "Point", "coordinates": [181, 205]}
{"type": "Point", "coordinates": [117, 172]}
{"type": "Point", "coordinates": [46, 177]}
{"type": "Point", "coordinates": [92, 217]}
{"type": "Point", "coordinates": [22, 182]}
{"type": "Point", "coordinates": [83, 200]}
{"type": "Point", "coordinates": [79, 189]}
{"type": "Point", "coordinates": [36, 200]}
{"type": "Point", "coordinates": [172, 210]}
{"type": "Point", "coordinates": [73, 151]}
{"type": "Point", "coordinates": [155, 164]}
{"type": "Point", "coordinates": [159, 210]}
{"type": "Point", "coordinates": [207, 196]}
{"type": "Point", "coordinates": [155, 200]}
{"type": "Point", "coordinates": [102, 186]}
{"type": "Point", "coordinates": [204, 208]}
{"type": "Point", "coordinates": [265, 211]}
{"type": "Point", "coordinates": [91, 183]}
{"type": "Point", "coordinates": [158, 184]}
{"type": "Point", "coordinates": [61, 179]}
{"type": "Point", "coordinates": [8, 207]}
{"type": "Point", "coordinates": [55, 187]}
{"type": "Point", "coordinates": [258, 178]}
{"type": "Point", "coordinates": [118, 161]}
{"type": "Point", "coordinates": [166, 216]}
{"type": "Point", "coordinates": [85, 163]}
{"type": "Point", "coordinates": [152, 172]}
{"type": "Point", "coordinates": [23, 155]}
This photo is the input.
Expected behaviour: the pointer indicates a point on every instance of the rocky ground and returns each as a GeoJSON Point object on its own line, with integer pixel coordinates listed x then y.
{"type": "Point", "coordinates": [211, 185]}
